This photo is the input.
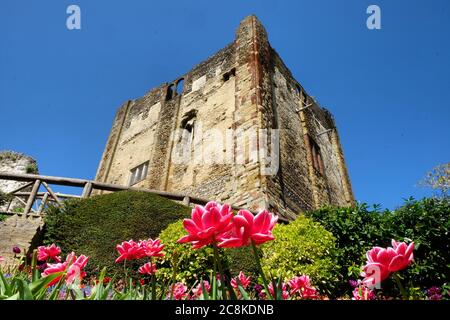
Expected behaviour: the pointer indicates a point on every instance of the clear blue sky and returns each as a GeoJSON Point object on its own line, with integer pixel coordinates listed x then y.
{"type": "Point", "coordinates": [389, 89]}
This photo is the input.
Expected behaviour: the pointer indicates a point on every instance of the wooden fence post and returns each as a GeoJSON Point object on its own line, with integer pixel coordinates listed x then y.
{"type": "Point", "coordinates": [31, 198]}
{"type": "Point", "coordinates": [87, 190]}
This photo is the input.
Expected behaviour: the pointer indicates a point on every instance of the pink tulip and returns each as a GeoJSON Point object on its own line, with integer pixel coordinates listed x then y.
{"type": "Point", "coordinates": [198, 290]}
{"type": "Point", "coordinates": [302, 285]}
{"type": "Point", "coordinates": [284, 293]}
{"type": "Point", "coordinates": [49, 252]}
{"type": "Point", "coordinates": [73, 265]}
{"type": "Point", "coordinates": [152, 248]}
{"type": "Point", "coordinates": [147, 268]}
{"type": "Point", "coordinates": [363, 293]}
{"type": "Point", "coordinates": [404, 255]}
{"type": "Point", "coordinates": [243, 281]}
{"type": "Point", "coordinates": [75, 271]}
{"type": "Point", "coordinates": [178, 291]}
{"type": "Point", "coordinates": [129, 250]}
{"type": "Point", "coordinates": [247, 228]}
{"type": "Point", "coordinates": [207, 224]}
{"type": "Point", "coordinates": [381, 262]}
{"type": "Point", "coordinates": [2, 259]}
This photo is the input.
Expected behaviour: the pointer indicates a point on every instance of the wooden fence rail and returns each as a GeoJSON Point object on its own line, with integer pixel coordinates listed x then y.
{"type": "Point", "coordinates": [36, 181]}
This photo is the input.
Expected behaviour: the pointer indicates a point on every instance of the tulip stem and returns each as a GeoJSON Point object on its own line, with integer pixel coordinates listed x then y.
{"type": "Point", "coordinates": [400, 286]}
{"type": "Point", "coordinates": [258, 262]}
{"type": "Point", "coordinates": [222, 276]}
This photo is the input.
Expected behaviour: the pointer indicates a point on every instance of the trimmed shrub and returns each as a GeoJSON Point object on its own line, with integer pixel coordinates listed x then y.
{"type": "Point", "coordinates": [96, 225]}
{"type": "Point", "coordinates": [192, 264]}
{"type": "Point", "coordinates": [302, 247]}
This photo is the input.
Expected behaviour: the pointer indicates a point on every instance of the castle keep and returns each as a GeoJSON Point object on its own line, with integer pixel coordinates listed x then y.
{"type": "Point", "coordinates": [238, 128]}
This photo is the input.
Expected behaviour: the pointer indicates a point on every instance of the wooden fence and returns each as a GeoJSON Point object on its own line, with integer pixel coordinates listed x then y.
{"type": "Point", "coordinates": [34, 202]}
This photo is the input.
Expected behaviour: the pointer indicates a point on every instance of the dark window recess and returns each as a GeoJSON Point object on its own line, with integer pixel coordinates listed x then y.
{"type": "Point", "coordinates": [180, 86]}
{"type": "Point", "coordinates": [229, 74]}
{"type": "Point", "coordinates": [316, 157]}
{"type": "Point", "coordinates": [169, 94]}
{"type": "Point", "coordinates": [304, 98]}
{"type": "Point", "coordinates": [139, 173]}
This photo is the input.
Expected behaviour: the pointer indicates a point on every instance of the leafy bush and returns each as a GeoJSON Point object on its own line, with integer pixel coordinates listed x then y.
{"type": "Point", "coordinates": [302, 247]}
{"type": "Point", "coordinates": [427, 223]}
{"type": "Point", "coordinates": [358, 229]}
{"type": "Point", "coordinates": [191, 264]}
{"type": "Point", "coordinates": [96, 225]}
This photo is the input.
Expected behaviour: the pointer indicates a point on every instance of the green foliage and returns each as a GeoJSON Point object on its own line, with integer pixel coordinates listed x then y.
{"type": "Point", "coordinates": [302, 247]}
{"type": "Point", "coordinates": [427, 223]}
{"type": "Point", "coordinates": [32, 168]}
{"type": "Point", "coordinates": [191, 265]}
{"type": "Point", "coordinates": [358, 229]}
{"type": "Point", "coordinates": [242, 259]}
{"type": "Point", "coordinates": [10, 155]}
{"type": "Point", "coordinates": [4, 198]}
{"type": "Point", "coordinates": [96, 225]}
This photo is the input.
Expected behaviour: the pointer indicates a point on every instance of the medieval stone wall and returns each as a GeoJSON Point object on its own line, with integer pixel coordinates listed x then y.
{"type": "Point", "coordinates": [204, 138]}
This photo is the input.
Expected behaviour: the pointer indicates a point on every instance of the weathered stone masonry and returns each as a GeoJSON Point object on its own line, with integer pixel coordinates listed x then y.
{"type": "Point", "coordinates": [244, 87]}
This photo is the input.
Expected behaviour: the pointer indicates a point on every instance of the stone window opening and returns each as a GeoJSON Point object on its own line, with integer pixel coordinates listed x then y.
{"type": "Point", "coordinates": [170, 92]}
{"type": "Point", "coordinates": [138, 173]}
{"type": "Point", "coordinates": [317, 160]}
{"type": "Point", "coordinates": [188, 126]}
{"type": "Point", "coordinates": [229, 74]}
{"type": "Point", "coordinates": [179, 86]}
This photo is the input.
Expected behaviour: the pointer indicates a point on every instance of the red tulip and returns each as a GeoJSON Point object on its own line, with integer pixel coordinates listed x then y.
{"type": "Point", "coordinates": [247, 227]}
{"type": "Point", "coordinates": [152, 248]}
{"type": "Point", "coordinates": [49, 252]}
{"type": "Point", "coordinates": [129, 250]}
{"type": "Point", "coordinates": [243, 281]}
{"type": "Point", "coordinates": [207, 224]}
{"type": "Point", "coordinates": [147, 268]}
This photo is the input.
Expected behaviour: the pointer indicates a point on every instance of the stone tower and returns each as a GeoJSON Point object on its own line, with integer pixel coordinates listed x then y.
{"type": "Point", "coordinates": [237, 128]}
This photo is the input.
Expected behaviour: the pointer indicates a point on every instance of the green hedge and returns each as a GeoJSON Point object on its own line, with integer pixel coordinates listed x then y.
{"type": "Point", "coordinates": [95, 226]}
{"type": "Point", "coordinates": [358, 229]}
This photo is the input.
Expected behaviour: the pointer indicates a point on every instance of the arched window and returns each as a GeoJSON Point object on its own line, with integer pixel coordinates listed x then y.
{"type": "Point", "coordinates": [180, 86]}
{"type": "Point", "coordinates": [188, 126]}
{"type": "Point", "coordinates": [170, 92]}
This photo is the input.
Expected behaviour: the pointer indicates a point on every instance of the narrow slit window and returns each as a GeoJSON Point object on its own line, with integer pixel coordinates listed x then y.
{"type": "Point", "coordinates": [317, 160]}
{"type": "Point", "coordinates": [138, 173]}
